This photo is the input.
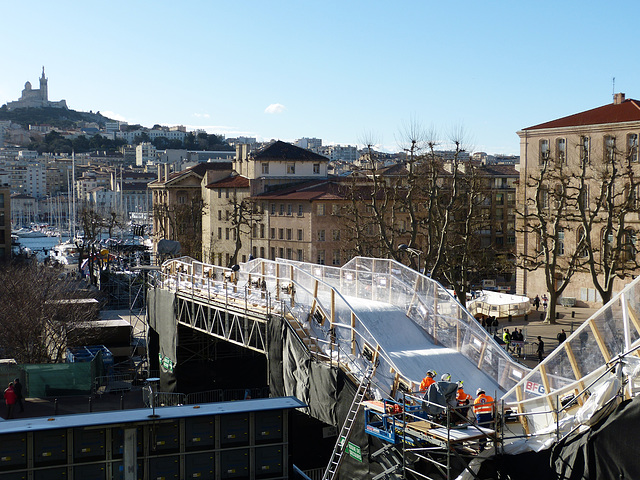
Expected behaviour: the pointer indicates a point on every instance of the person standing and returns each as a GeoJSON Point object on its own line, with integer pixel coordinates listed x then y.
{"type": "Point", "coordinates": [506, 337]}
{"type": "Point", "coordinates": [544, 302]}
{"type": "Point", "coordinates": [427, 381]}
{"type": "Point", "coordinates": [10, 400]}
{"type": "Point", "coordinates": [17, 387]}
{"type": "Point", "coordinates": [483, 409]}
{"type": "Point", "coordinates": [536, 302]}
{"type": "Point", "coordinates": [562, 336]}
{"type": "Point", "coordinates": [540, 350]}
{"type": "Point", "coordinates": [463, 399]}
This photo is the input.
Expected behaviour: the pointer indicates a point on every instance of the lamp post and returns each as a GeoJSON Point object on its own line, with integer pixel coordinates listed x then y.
{"type": "Point", "coordinates": [411, 251]}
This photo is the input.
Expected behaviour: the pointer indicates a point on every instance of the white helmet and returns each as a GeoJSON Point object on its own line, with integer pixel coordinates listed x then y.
{"type": "Point", "coordinates": [445, 377]}
{"type": "Point", "coordinates": [479, 391]}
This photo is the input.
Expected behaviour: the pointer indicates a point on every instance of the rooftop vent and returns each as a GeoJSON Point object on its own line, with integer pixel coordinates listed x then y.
{"type": "Point", "coordinates": [618, 98]}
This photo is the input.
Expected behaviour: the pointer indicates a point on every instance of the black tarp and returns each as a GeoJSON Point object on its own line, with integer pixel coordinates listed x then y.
{"type": "Point", "coordinates": [606, 451]}
{"type": "Point", "coordinates": [162, 319]}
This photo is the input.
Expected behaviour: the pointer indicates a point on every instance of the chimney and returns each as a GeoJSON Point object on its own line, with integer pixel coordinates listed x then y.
{"type": "Point", "coordinates": [618, 98]}
{"type": "Point", "coordinates": [159, 172]}
{"type": "Point", "coordinates": [166, 172]}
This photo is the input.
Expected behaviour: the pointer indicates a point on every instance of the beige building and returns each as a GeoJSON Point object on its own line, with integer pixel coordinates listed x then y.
{"type": "Point", "coordinates": [606, 135]}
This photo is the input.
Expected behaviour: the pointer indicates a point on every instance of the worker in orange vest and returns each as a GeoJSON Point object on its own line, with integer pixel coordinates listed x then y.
{"type": "Point", "coordinates": [427, 381]}
{"type": "Point", "coordinates": [483, 408]}
{"type": "Point", "coordinates": [463, 399]}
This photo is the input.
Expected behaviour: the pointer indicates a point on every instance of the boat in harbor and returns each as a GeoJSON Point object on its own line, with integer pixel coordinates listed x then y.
{"type": "Point", "coordinates": [65, 253]}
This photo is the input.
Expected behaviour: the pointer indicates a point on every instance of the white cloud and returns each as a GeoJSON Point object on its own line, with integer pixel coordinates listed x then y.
{"type": "Point", "coordinates": [201, 115]}
{"type": "Point", "coordinates": [114, 116]}
{"type": "Point", "coordinates": [275, 108]}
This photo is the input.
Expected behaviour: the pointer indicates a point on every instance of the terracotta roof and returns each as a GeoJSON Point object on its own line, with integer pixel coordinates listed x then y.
{"type": "Point", "coordinates": [627, 111]}
{"type": "Point", "coordinates": [285, 151]}
{"type": "Point", "coordinates": [499, 170]}
{"type": "Point", "coordinates": [232, 181]}
{"type": "Point", "coordinates": [200, 169]}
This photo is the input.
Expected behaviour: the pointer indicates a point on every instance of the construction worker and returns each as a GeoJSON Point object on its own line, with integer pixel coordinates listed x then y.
{"type": "Point", "coordinates": [427, 381]}
{"type": "Point", "coordinates": [483, 409]}
{"type": "Point", "coordinates": [463, 399]}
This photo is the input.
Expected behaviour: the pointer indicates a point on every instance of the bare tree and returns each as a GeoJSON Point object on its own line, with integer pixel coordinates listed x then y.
{"type": "Point", "coordinates": [40, 311]}
{"type": "Point", "coordinates": [182, 223]}
{"type": "Point", "coordinates": [549, 217]}
{"type": "Point", "coordinates": [609, 239]}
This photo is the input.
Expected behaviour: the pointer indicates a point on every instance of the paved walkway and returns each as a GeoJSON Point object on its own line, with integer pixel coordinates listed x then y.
{"type": "Point", "coordinates": [570, 318]}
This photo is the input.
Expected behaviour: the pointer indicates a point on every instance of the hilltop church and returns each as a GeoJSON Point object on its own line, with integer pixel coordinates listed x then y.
{"type": "Point", "coordinates": [32, 97]}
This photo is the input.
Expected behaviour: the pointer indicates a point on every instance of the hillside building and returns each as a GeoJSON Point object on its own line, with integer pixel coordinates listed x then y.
{"type": "Point", "coordinates": [36, 97]}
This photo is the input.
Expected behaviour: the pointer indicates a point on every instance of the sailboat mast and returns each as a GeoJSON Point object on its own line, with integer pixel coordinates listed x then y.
{"type": "Point", "coordinates": [73, 183]}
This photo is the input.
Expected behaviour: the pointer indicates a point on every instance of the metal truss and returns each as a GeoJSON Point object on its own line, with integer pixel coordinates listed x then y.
{"type": "Point", "coordinates": [238, 326]}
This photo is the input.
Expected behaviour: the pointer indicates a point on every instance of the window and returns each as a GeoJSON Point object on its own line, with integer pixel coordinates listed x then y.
{"type": "Point", "coordinates": [335, 209]}
{"type": "Point", "coordinates": [289, 254]}
{"type": "Point", "coordinates": [219, 193]}
{"type": "Point", "coordinates": [316, 168]}
{"type": "Point", "coordinates": [300, 235]}
{"type": "Point", "coordinates": [632, 147]}
{"type": "Point", "coordinates": [300, 256]}
{"type": "Point", "coordinates": [226, 233]}
{"type": "Point", "coordinates": [219, 214]}
{"type": "Point", "coordinates": [281, 252]}
{"type": "Point", "coordinates": [585, 147]}
{"type": "Point", "coordinates": [254, 231]}
{"type": "Point", "coordinates": [300, 210]}
{"type": "Point", "coordinates": [320, 257]}
{"type": "Point", "coordinates": [336, 257]}
{"type": "Point", "coordinates": [273, 253]}
{"type": "Point", "coordinates": [561, 149]}
{"type": "Point", "coordinates": [220, 259]}
{"type": "Point", "coordinates": [560, 242]}
{"type": "Point", "coordinates": [227, 214]}
{"type": "Point", "coordinates": [227, 193]}
{"type": "Point", "coordinates": [499, 214]}
{"type": "Point", "coordinates": [219, 233]}
{"type": "Point", "coordinates": [630, 246]}
{"type": "Point", "coordinates": [273, 209]}
{"type": "Point", "coordinates": [272, 233]}
{"type": "Point", "coordinates": [289, 209]}
{"type": "Point", "coordinates": [281, 234]}
{"type": "Point", "coordinates": [321, 235]}
{"type": "Point", "coordinates": [282, 209]}
{"type": "Point", "coordinates": [320, 209]}
{"type": "Point", "coordinates": [261, 252]}
{"type": "Point", "coordinates": [609, 148]}
{"type": "Point", "coordinates": [289, 235]}
{"type": "Point", "coordinates": [544, 151]}
{"type": "Point", "coordinates": [499, 198]}
{"type": "Point", "coordinates": [543, 197]}
{"type": "Point", "coordinates": [255, 252]}
{"type": "Point", "coordinates": [583, 197]}
{"type": "Point", "coordinates": [336, 235]}
{"type": "Point", "coordinates": [262, 230]}
{"type": "Point", "coordinates": [265, 169]}
{"type": "Point", "coordinates": [291, 168]}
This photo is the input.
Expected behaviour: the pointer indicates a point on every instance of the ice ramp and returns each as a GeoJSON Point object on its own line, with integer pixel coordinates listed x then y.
{"type": "Point", "coordinates": [411, 352]}
{"type": "Point", "coordinates": [380, 309]}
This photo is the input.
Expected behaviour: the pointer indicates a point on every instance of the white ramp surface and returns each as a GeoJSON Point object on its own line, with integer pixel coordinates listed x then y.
{"type": "Point", "coordinates": [411, 350]}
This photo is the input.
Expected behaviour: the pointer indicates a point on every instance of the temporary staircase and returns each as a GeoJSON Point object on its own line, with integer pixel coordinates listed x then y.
{"type": "Point", "coordinates": [345, 432]}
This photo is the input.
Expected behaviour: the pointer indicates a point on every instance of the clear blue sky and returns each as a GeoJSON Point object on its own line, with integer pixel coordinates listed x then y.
{"type": "Point", "coordinates": [336, 70]}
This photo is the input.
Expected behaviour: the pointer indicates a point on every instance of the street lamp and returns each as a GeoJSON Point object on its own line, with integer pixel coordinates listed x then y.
{"type": "Point", "coordinates": [411, 251]}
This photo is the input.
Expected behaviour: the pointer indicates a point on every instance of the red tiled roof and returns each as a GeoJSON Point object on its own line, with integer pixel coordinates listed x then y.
{"type": "Point", "coordinates": [627, 111]}
{"type": "Point", "coordinates": [314, 190]}
{"type": "Point", "coordinates": [235, 181]}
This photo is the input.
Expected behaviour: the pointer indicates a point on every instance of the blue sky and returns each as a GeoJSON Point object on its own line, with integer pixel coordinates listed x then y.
{"type": "Point", "coordinates": [342, 71]}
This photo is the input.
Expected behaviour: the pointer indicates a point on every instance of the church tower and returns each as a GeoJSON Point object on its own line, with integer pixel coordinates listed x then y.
{"type": "Point", "coordinates": [43, 88]}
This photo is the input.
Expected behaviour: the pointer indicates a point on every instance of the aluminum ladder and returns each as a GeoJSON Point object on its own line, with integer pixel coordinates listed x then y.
{"type": "Point", "coordinates": [345, 432]}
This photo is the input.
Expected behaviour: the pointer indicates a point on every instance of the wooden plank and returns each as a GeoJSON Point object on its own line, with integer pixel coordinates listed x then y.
{"type": "Point", "coordinates": [484, 347]}
{"type": "Point", "coordinates": [522, 418]}
{"type": "Point", "coordinates": [353, 333]}
{"type": "Point", "coordinates": [547, 389]}
{"type": "Point", "coordinates": [600, 341]}
{"type": "Point", "coordinates": [574, 363]}
{"type": "Point", "coordinates": [633, 316]}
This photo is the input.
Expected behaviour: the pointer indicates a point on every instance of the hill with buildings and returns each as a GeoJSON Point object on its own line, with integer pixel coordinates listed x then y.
{"type": "Point", "coordinates": [55, 117]}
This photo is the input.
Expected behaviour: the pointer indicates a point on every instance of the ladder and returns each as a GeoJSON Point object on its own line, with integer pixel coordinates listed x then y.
{"type": "Point", "coordinates": [345, 432]}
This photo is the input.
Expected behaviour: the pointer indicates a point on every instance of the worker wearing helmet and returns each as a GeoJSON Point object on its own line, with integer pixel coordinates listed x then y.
{"type": "Point", "coordinates": [463, 399]}
{"type": "Point", "coordinates": [483, 409]}
{"type": "Point", "coordinates": [446, 377]}
{"type": "Point", "coordinates": [428, 380]}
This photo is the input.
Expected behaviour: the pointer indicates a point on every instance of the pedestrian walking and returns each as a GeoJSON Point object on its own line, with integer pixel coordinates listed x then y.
{"type": "Point", "coordinates": [536, 302]}
{"type": "Point", "coordinates": [17, 387]}
{"type": "Point", "coordinates": [544, 302]}
{"type": "Point", "coordinates": [495, 325]}
{"type": "Point", "coordinates": [540, 349]}
{"type": "Point", "coordinates": [10, 400]}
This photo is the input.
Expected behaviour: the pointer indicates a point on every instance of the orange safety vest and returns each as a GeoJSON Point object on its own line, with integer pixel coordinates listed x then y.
{"type": "Point", "coordinates": [483, 404]}
{"type": "Point", "coordinates": [462, 396]}
{"type": "Point", "coordinates": [426, 383]}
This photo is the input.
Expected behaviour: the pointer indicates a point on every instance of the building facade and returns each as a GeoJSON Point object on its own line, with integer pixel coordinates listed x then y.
{"type": "Point", "coordinates": [580, 146]}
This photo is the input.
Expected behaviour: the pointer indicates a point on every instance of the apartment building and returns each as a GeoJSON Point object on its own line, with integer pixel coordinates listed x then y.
{"type": "Point", "coordinates": [602, 138]}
